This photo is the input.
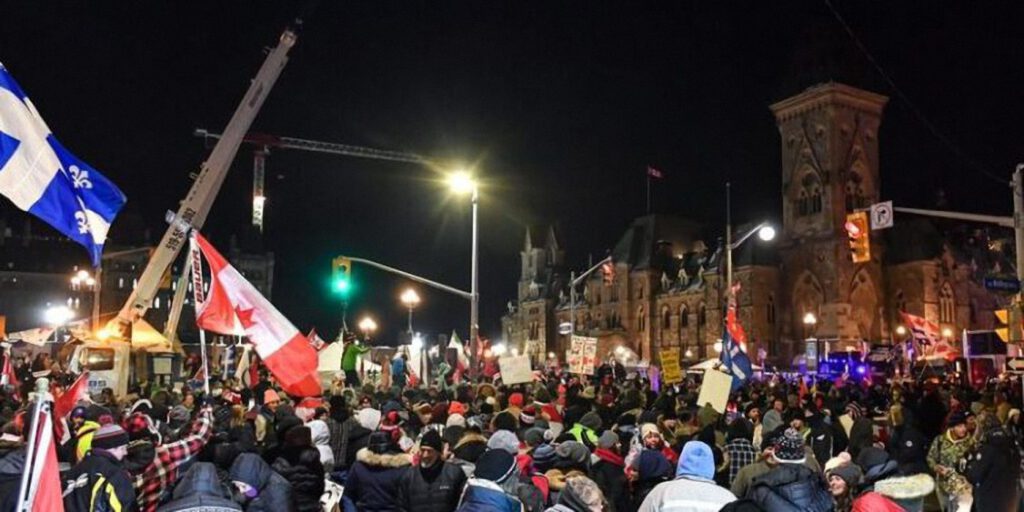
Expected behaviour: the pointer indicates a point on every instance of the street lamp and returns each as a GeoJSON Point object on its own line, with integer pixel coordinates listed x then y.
{"type": "Point", "coordinates": [463, 183]}
{"type": "Point", "coordinates": [367, 325]}
{"type": "Point", "coordinates": [57, 316]}
{"type": "Point", "coordinates": [810, 320]}
{"type": "Point", "coordinates": [901, 331]}
{"type": "Point", "coordinates": [410, 299]}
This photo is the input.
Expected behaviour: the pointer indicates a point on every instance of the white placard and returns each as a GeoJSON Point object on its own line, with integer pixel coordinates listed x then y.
{"type": "Point", "coordinates": [715, 390]}
{"type": "Point", "coordinates": [515, 369]}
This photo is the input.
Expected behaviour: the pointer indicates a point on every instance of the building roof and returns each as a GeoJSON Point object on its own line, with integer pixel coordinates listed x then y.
{"type": "Point", "coordinates": [652, 241]}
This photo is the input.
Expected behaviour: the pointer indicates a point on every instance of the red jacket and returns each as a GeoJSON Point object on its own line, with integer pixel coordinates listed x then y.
{"type": "Point", "coordinates": [874, 502]}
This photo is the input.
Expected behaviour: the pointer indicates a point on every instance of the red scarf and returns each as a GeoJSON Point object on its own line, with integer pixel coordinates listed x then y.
{"type": "Point", "coordinates": [610, 457]}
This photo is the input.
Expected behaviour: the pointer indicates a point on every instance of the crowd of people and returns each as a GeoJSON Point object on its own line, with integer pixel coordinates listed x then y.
{"type": "Point", "coordinates": [565, 443]}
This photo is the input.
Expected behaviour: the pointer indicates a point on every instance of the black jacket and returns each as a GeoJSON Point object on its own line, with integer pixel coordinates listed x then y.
{"type": "Point", "coordinates": [200, 490]}
{"type": "Point", "coordinates": [275, 493]}
{"type": "Point", "coordinates": [99, 480]}
{"type": "Point", "coordinates": [791, 488]}
{"type": "Point", "coordinates": [12, 464]}
{"type": "Point", "coordinates": [357, 439]}
{"type": "Point", "coordinates": [374, 479]}
{"type": "Point", "coordinates": [994, 470]}
{"type": "Point", "coordinates": [302, 468]}
{"type": "Point", "coordinates": [909, 448]}
{"type": "Point", "coordinates": [439, 494]}
{"type": "Point", "coordinates": [611, 478]}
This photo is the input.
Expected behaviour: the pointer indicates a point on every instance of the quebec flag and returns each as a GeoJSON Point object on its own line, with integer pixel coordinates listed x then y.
{"type": "Point", "coordinates": [41, 177]}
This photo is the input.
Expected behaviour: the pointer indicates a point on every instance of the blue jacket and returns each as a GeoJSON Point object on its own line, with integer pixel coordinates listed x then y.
{"type": "Point", "coordinates": [373, 481]}
{"type": "Point", "coordinates": [201, 490]}
{"type": "Point", "coordinates": [487, 496]}
{"type": "Point", "coordinates": [275, 493]}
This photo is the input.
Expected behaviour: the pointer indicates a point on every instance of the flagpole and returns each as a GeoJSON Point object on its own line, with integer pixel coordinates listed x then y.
{"type": "Point", "coordinates": [202, 354]}
{"type": "Point", "coordinates": [24, 490]}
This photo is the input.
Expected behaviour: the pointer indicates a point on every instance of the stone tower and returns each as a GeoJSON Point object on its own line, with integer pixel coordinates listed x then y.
{"type": "Point", "coordinates": [829, 168]}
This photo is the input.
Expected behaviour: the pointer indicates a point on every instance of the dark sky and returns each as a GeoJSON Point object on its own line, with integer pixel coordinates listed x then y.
{"type": "Point", "coordinates": [562, 107]}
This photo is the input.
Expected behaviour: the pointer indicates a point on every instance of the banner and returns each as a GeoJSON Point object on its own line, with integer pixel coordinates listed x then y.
{"type": "Point", "coordinates": [582, 355]}
{"type": "Point", "coordinates": [37, 336]}
{"type": "Point", "coordinates": [671, 372]}
{"type": "Point", "coordinates": [515, 369]}
{"type": "Point", "coordinates": [715, 390]}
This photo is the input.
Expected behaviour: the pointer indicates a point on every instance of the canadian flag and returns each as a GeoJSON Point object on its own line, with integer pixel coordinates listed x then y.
{"type": "Point", "coordinates": [7, 376]}
{"type": "Point", "coordinates": [461, 361]}
{"type": "Point", "coordinates": [315, 340]}
{"type": "Point", "coordinates": [283, 349]}
{"type": "Point", "coordinates": [44, 494]}
{"type": "Point", "coordinates": [65, 403]}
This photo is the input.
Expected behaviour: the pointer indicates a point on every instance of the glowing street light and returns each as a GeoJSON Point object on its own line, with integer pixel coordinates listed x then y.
{"type": "Point", "coordinates": [410, 299]}
{"type": "Point", "coordinates": [947, 332]}
{"type": "Point", "coordinates": [499, 349]}
{"type": "Point", "coordinates": [57, 315]}
{"type": "Point", "coordinates": [462, 182]}
{"type": "Point", "coordinates": [810, 319]}
{"type": "Point", "coordinates": [901, 331]}
{"type": "Point", "coordinates": [368, 326]}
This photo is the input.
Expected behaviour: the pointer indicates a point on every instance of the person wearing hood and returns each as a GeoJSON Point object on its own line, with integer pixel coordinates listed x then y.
{"type": "Point", "coordinates": [374, 480]}
{"type": "Point", "coordinates": [580, 494]}
{"type": "Point", "coordinates": [258, 487]}
{"type": "Point", "coordinates": [946, 457]}
{"type": "Point", "coordinates": [299, 463]}
{"type": "Point", "coordinates": [468, 449]}
{"type": "Point", "coordinates": [99, 482]}
{"type": "Point", "coordinates": [790, 485]}
{"type": "Point", "coordinates": [609, 472]}
{"type": "Point", "coordinates": [433, 485]}
{"type": "Point", "coordinates": [154, 466]}
{"type": "Point", "coordinates": [361, 425]}
{"type": "Point", "coordinates": [493, 485]}
{"type": "Point", "coordinates": [650, 466]}
{"type": "Point", "coordinates": [322, 442]}
{"type": "Point", "coordinates": [200, 491]}
{"type": "Point", "coordinates": [994, 469]}
{"type": "Point", "coordinates": [693, 489]}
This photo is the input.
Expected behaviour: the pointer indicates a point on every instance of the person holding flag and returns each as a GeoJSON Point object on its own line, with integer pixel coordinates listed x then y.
{"type": "Point", "coordinates": [733, 357]}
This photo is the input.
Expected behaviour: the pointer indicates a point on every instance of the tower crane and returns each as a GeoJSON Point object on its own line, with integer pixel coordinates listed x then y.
{"type": "Point", "coordinates": [264, 143]}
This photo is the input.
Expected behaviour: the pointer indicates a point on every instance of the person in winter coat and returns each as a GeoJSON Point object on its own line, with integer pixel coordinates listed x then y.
{"type": "Point", "coordinates": [158, 468]}
{"type": "Point", "coordinates": [861, 431]}
{"type": "Point", "coordinates": [580, 494]}
{"type": "Point", "coordinates": [360, 426]}
{"type": "Point", "coordinates": [907, 444]}
{"type": "Point", "coordinates": [258, 487]}
{"type": "Point", "coordinates": [946, 458]}
{"type": "Point", "coordinates": [842, 480]}
{"type": "Point", "coordinates": [609, 472]}
{"type": "Point", "coordinates": [790, 485]}
{"type": "Point", "coordinates": [322, 442]}
{"type": "Point", "coordinates": [374, 480]}
{"type": "Point", "coordinates": [433, 485]}
{"type": "Point", "coordinates": [693, 489]}
{"type": "Point", "coordinates": [299, 463]}
{"type": "Point", "coordinates": [12, 465]}
{"type": "Point", "coordinates": [492, 488]}
{"type": "Point", "coordinates": [877, 467]}
{"type": "Point", "coordinates": [994, 469]}
{"type": "Point", "coordinates": [200, 491]}
{"type": "Point", "coordinates": [585, 430]}
{"type": "Point", "coordinates": [99, 483]}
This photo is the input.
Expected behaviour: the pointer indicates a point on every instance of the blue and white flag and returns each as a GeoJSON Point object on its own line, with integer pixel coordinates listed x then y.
{"type": "Point", "coordinates": [41, 177]}
{"type": "Point", "coordinates": [735, 360]}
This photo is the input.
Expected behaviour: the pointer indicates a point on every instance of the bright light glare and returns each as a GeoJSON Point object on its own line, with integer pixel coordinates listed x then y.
{"type": "Point", "coordinates": [900, 330]}
{"type": "Point", "coordinates": [57, 315]}
{"type": "Point", "coordinates": [619, 350]}
{"type": "Point", "coordinates": [410, 298]}
{"type": "Point", "coordinates": [515, 352]}
{"type": "Point", "coordinates": [810, 319]}
{"type": "Point", "coordinates": [90, 281]}
{"type": "Point", "coordinates": [551, 355]}
{"type": "Point", "coordinates": [688, 354]}
{"type": "Point", "coordinates": [718, 346]}
{"type": "Point", "coordinates": [461, 182]}
{"type": "Point", "coordinates": [367, 324]}
{"type": "Point", "coordinates": [417, 342]}
{"type": "Point", "coordinates": [83, 275]}
{"type": "Point", "coordinates": [499, 349]}
{"type": "Point", "coordinates": [766, 233]}
{"type": "Point", "coordinates": [947, 332]}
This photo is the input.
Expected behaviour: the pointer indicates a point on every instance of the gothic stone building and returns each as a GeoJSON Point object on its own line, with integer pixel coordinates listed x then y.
{"type": "Point", "coordinates": [667, 289]}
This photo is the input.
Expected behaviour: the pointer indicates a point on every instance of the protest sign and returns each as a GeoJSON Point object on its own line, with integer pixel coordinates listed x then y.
{"type": "Point", "coordinates": [670, 369]}
{"type": "Point", "coordinates": [582, 355]}
{"type": "Point", "coordinates": [515, 369]}
{"type": "Point", "coordinates": [715, 390]}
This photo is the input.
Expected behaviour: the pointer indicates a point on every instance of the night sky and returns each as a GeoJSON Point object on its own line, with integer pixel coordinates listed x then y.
{"type": "Point", "coordinates": [561, 107]}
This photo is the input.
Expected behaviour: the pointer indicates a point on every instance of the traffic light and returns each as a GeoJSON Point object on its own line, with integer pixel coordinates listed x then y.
{"type": "Point", "coordinates": [608, 272]}
{"type": "Point", "coordinates": [1010, 322]}
{"type": "Point", "coordinates": [860, 237]}
{"type": "Point", "coordinates": [341, 275]}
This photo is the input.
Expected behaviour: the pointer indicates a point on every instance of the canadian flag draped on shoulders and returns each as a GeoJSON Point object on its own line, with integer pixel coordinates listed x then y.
{"type": "Point", "coordinates": [233, 303]}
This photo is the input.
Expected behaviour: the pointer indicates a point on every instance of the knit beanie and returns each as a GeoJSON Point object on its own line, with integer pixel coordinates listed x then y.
{"type": "Point", "coordinates": [544, 457]}
{"type": "Point", "coordinates": [583, 494]}
{"type": "Point", "coordinates": [298, 437]}
{"type": "Point", "coordinates": [591, 420]}
{"type": "Point", "coordinates": [455, 420]}
{"type": "Point", "coordinates": [495, 465]}
{"type": "Point", "coordinates": [368, 418]}
{"type": "Point", "coordinates": [607, 440]}
{"type": "Point", "coordinates": [850, 473]}
{"type": "Point", "coordinates": [648, 428]}
{"type": "Point", "coordinates": [270, 396]}
{"type": "Point", "coordinates": [790, 447]}
{"type": "Point", "coordinates": [457, 408]}
{"type": "Point", "coordinates": [109, 436]}
{"type": "Point", "coordinates": [432, 440]}
{"type": "Point", "coordinates": [505, 421]}
{"type": "Point", "coordinates": [573, 452]}
{"type": "Point", "coordinates": [515, 400]}
{"type": "Point", "coordinates": [504, 440]}
{"type": "Point", "coordinates": [838, 460]}
{"type": "Point", "coordinates": [528, 416]}
{"type": "Point", "coordinates": [533, 436]}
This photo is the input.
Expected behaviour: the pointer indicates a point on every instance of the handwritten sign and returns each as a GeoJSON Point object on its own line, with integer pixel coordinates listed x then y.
{"type": "Point", "coordinates": [715, 390]}
{"type": "Point", "coordinates": [670, 369]}
{"type": "Point", "coordinates": [515, 370]}
{"type": "Point", "coordinates": [582, 355]}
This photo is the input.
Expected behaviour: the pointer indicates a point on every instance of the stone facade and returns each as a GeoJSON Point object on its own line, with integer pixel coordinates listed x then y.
{"type": "Point", "coordinates": [667, 289]}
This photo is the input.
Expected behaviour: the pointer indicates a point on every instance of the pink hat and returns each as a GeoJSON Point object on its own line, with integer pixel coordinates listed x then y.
{"type": "Point", "coordinates": [457, 408]}
{"type": "Point", "coordinates": [270, 396]}
{"type": "Point", "coordinates": [516, 400]}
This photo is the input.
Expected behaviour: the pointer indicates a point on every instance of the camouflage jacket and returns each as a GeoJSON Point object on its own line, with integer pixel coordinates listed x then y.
{"type": "Point", "coordinates": [945, 451]}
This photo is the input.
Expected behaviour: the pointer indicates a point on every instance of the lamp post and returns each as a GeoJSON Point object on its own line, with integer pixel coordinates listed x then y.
{"type": "Point", "coordinates": [410, 299]}
{"type": "Point", "coordinates": [80, 281]}
{"type": "Point", "coordinates": [367, 325]}
{"type": "Point", "coordinates": [462, 183]}
{"type": "Point", "coordinates": [764, 231]}
{"type": "Point", "coordinates": [57, 316]}
{"type": "Point", "coordinates": [810, 320]}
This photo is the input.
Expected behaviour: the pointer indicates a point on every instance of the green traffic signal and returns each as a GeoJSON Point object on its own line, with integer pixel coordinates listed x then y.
{"type": "Point", "coordinates": [342, 286]}
{"type": "Point", "coordinates": [341, 274]}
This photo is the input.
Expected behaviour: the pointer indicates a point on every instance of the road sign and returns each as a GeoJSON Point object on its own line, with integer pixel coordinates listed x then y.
{"type": "Point", "coordinates": [565, 328]}
{"type": "Point", "coordinates": [1015, 364]}
{"type": "Point", "coordinates": [881, 215]}
{"type": "Point", "coordinates": [1002, 284]}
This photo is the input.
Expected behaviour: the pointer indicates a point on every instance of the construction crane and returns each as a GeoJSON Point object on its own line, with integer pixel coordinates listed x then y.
{"type": "Point", "coordinates": [194, 208]}
{"type": "Point", "coordinates": [264, 142]}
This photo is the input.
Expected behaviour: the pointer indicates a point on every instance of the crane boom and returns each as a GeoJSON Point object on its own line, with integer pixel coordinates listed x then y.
{"type": "Point", "coordinates": [273, 141]}
{"type": "Point", "coordinates": [197, 203]}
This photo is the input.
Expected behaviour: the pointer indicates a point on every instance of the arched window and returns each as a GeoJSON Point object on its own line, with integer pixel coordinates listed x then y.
{"type": "Point", "coordinates": [666, 318]}
{"type": "Point", "coordinates": [770, 313]}
{"type": "Point", "coordinates": [641, 320]}
{"type": "Point", "coordinates": [809, 197]}
{"type": "Point", "coordinates": [702, 316]}
{"type": "Point", "coordinates": [947, 304]}
{"type": "Point", "coordinates": [684, 317]}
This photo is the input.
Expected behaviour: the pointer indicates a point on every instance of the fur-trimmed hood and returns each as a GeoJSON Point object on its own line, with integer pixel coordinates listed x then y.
{"type": "Point", "coordinates": [470, 437]}
{"type": "Point", "coordinates": [906, 487]}
{"type": "Point", "coordinates": [383, 460]}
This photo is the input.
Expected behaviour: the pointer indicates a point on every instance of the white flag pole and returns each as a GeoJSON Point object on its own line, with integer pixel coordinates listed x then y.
{"type": "Point", "coordinates": [27, 486]}
{"type": "Point", "coordinates": [197, 291]}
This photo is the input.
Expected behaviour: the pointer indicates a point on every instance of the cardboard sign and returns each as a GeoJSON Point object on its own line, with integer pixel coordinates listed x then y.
{"type": "Point", "coordinates": [582, 355]}
{"type": "Point", "coordinates": [715, 390]}
{"type": "Point", "coordinates": [515, 369]}
{"type": "Point", "coordinates": [670, 369]}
